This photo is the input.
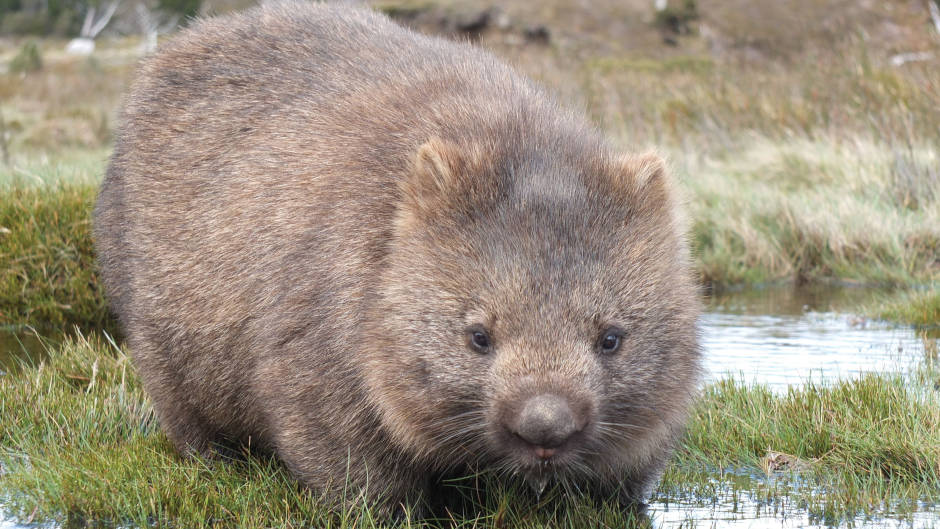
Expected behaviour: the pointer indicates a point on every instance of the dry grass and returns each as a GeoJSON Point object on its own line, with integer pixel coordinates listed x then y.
{"type": "Point", "coordinates": [815, 209]}
{"type": "Point", "coordinates": [71, 103]}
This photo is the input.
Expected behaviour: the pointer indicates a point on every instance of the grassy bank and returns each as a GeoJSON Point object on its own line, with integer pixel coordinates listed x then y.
{"type": "Point", "coordinates": [918, 307]}
{"type": "Point", "coordinates": [78, 441]}
{"type": "Point", "coordinates": [46, 252]}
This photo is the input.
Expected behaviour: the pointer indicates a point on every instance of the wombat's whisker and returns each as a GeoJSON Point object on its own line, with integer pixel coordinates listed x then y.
{"type": "Point", "coordinates": [622, 425]}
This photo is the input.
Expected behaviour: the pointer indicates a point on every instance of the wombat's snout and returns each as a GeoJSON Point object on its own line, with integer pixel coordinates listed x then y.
{"type": "Point", "coordinates": [545, 422]}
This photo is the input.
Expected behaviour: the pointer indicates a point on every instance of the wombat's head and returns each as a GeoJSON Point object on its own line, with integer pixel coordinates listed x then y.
{"type": "Point", "coordinates": [537, 314]}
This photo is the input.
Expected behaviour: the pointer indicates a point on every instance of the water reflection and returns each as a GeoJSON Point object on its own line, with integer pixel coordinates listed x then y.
{"type": "Point", "coordinates": [782, 337]}
{"type": "Point", "coordinates": [746, 511]}
{"type": "Point", "coordinates": [783, 350]}
{"type": "Point", "coordinates": [19, 344]}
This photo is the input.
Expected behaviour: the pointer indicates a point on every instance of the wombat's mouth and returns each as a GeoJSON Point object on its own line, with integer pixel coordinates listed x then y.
{"type": "Point", "coordinates": [538, 464]}
{"type": "Point", "coordinates": [545, 456]}
{"type": "Point", "coordinates": [539, 475]}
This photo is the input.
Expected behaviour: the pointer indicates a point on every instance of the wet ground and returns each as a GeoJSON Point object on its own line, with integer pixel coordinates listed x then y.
{"type": "Point", "coordinates": [775, 336]}
{"type": "Point", "coordinates": [18, 345]}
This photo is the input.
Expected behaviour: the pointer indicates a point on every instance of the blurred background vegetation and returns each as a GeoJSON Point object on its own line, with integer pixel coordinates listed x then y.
{"type": "Point", "coordinates": [804, 133]}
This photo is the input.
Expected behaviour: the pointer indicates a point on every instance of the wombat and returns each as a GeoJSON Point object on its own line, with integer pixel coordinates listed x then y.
{"type": "Point", "coordinates": [387, 257]}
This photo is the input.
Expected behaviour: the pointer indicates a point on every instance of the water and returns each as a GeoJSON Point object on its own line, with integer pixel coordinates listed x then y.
{"type": "Point", "coordinates": [778, 337]}
{"type": "Point", "coordinates": [18, 344]}
{"type": "Point", "coordinates": [781, 338]}
{"type": "Point", "coordinates": [742, 510]}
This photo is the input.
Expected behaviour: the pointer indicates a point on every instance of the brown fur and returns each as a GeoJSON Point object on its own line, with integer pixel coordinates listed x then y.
{"type": "Point", "coordinates": [309, 206]}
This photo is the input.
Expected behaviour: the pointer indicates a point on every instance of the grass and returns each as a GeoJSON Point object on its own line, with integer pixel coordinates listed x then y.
{"type": "Point", "coordinates": [839, 211]}
{"type": "Point", "coordinates": [46, 252]}
{"type": "Point", "coordinates": [862, 440]}
{"type": "Point", "coordinates": [78, 442]}
{"type": "Point", "coordinates": [804, 156]}
{"type": "Point", "coordinates": [920, 308]}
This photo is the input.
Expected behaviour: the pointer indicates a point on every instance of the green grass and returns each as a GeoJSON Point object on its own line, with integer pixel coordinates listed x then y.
{"type": "Point", "coordinates": [916, 307]}
{"type": "Point", "coordinates": [877, 434]}
{"type": "Point", "coordinates": [46, 251]}
{"type": "Point", "coordinates": [78, 441]}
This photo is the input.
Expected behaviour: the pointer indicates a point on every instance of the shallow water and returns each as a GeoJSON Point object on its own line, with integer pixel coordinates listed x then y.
{"type": "Point", "coordinates": [729, 509]}
{"type": "Point", "coordinates": [781, 337]}
{"type": "Point", "coordinates": [18, 344]}
{"type": "Point", "coordinates": [775, 336]}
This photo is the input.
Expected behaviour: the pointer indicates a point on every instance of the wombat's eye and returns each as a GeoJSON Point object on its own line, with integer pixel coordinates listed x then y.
{"type": "Point", "coordinates": [479, 340]}
{"type": "Point", "coordinates": [610, 341]}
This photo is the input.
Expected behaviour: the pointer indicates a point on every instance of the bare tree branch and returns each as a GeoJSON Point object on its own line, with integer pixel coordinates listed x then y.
{"type": "Point", "coordinates": [103, 21]}
{"type": "Point", "coordinates": [151, 26]}
{"type": "Point", "coordinates": [89, 21]}
{"type": "Point", "coordinates": [934, 13]}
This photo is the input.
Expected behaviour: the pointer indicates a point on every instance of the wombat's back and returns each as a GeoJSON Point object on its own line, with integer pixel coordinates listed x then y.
{"type": "Point", "coordinates": [241, 125]}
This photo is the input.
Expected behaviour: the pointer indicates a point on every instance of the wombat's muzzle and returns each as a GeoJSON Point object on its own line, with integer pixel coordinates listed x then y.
{"type": "Point", "coordinates": [545, 422]}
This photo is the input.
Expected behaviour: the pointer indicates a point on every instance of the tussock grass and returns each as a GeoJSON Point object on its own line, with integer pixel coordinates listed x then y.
{"type": "Point", "coordinates": [918, 307]}
{"type": "Point", "coordinates": [812, 210]}
{"type": "Point", "coordinates": [78, 442]}
{"type": "Point", "coordinates": [48, 275]}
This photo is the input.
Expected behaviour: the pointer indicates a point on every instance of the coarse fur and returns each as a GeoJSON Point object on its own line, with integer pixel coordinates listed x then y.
{"type": "Point", "coordinates": [308, 211]}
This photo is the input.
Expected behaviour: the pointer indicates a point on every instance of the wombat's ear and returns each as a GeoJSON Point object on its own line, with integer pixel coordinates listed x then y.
{"type": "Point", "coordinates": [433, 174]}
{"type": "Point", "coordinates": [442, 179]}
{"type": "Point", "coordinates": [642, 180]}
{"type": "Point", "coordinates": [644, 183]}
{"type": "Point", "coordinates": [643, 176]}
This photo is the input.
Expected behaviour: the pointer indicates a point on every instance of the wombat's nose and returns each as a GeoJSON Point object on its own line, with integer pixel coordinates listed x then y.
{"type": "Point", "coordinates": [546, 421]}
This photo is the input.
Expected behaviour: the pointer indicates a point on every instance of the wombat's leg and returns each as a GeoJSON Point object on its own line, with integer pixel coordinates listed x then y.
{"type": "Point", "coordinates": [401, 498]}
{"type": "Point", "coordinates": [392, 488]}
{"type": "Point", "coordinates": [189, 431]}
{"type": "Point", "coordinates": [630, 491]}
